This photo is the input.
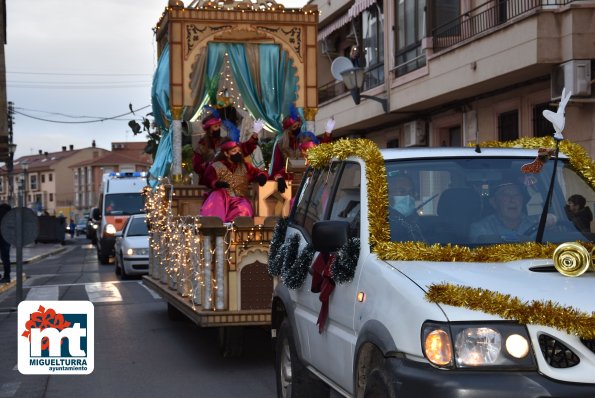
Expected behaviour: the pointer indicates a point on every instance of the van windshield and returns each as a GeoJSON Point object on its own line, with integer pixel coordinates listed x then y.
{"type": "Point", "coordinates": [472, 201]}
{"type": "Point", "coordinates": [124, 204]}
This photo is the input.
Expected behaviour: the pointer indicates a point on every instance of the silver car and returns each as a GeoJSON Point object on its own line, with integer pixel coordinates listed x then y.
{"type": "Point", "coordinates": [132, 248]}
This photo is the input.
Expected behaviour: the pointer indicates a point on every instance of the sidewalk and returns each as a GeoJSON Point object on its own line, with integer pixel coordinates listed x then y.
{"type": "Point", "coordinates": [32, 252]}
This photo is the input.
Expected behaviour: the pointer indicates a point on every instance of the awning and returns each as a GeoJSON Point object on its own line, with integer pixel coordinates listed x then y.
{"type": "Point", "coordinates": [327, 30]}
{"type": "Point", "coordinates": [357, 8]}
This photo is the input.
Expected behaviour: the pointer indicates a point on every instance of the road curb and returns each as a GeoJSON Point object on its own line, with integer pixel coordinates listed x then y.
{"type": "Point", "coordinates": [43, 255]}
{"type": "Point", "coordinates": [6, 286]}
{"type": "Point", "coordinates": [27, 260]}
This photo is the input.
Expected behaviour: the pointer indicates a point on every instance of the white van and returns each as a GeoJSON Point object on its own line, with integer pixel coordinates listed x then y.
{"type": "Point", "coordinates": [120, 197]}
{"type": "Point", "coordinates": [378, 296]}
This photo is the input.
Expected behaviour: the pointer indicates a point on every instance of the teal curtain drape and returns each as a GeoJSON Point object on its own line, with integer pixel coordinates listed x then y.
{"type": "Point", "coordinates": [160, 91]}
{"type": "Point", "coordinates": [278, 83]}
{"type": "Point", "coordinates": [162, 115]}
{"type": "Point", "coordinates": [163, 158]}
{"type": "Point", "coordinates": [215, 58]}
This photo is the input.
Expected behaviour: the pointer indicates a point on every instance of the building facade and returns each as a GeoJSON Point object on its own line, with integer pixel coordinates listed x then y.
{"type": "Point", "coordinates": [455, 72]}
{"type": "Point", "coordinates": [45, 180]}
{"type": "Point", "coordinates": [68, 182]}
{"type": "Point", "coordinates": [124, 157]}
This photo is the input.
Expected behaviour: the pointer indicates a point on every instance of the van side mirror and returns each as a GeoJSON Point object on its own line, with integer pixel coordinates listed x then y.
{"type": "Point", "coordinates": [329, 236]}
{"type": "Point", "coordinates": [95, 213]}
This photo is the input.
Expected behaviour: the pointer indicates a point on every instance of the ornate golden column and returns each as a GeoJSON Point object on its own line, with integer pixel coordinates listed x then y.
{"type": "Point", "coordinates": [176, 167]}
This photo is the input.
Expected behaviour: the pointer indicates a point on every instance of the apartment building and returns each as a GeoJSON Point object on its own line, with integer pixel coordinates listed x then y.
{"type": "Point", "coordinates": [45, 179]}
{"type": "Point", "coordinates": [124, 157]}
{"type": "Point", "coordinates": [453, 72]}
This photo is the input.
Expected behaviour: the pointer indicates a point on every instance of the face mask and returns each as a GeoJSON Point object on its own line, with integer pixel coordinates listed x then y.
{"type": "Point", "coordinates": [236, 158]}
{"type": "Point", "coordinates": [404, 205]}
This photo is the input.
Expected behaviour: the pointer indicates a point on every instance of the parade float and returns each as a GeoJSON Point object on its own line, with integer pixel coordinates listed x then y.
{"type": "Point", "coordinates": [257, 58]}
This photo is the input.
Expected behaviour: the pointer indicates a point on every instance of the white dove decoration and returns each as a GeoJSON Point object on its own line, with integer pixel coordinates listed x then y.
{"type": "Point", "coordinates": [557, 119]}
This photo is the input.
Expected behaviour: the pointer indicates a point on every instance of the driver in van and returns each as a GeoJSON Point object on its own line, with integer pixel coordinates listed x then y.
{"type": "Point", "coordinates": [509, 222]}
{"type": "Point", "coordinates": [402, 210]}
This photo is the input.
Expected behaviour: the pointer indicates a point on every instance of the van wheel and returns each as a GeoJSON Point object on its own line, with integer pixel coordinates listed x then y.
{"type": "Point", "coordinates": [379, 384]}
{"type": "Point", "coordinates": [293, 379]}
{"type": "Point", "coordinates": [102, 257]}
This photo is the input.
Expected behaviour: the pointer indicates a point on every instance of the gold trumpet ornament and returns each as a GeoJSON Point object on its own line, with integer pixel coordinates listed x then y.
{"type": "Point", "coordinates": [573, 259]}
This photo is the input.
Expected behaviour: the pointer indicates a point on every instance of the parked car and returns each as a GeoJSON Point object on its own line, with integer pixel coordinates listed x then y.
{"type": "Point", "coordinates": [132, 248]}
{"type": "Point", "coordinates": [92, 226]}
{"type": "Point", "coordinates": [389, 283]}
{"type": "Point", "coordinates": [80, 228]}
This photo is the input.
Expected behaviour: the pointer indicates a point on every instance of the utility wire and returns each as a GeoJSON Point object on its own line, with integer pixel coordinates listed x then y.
{"type": "Point", "coordinates": [77, 87]}
{"type": "Point", "coordinates": [81, 122]}
{"type": "Point", "coordinates": [94, 82]}
{"type": "Point", "coordinates": [79, 74]}
{"type": "Point", "coordinates": [59, 114]}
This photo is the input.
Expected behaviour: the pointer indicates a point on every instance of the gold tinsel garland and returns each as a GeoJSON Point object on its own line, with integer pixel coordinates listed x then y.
{"type": "Point", "coordinates": [578, 156]}
{"type": "Point", "coordinates": [506, 306]}
{"type": "Point", "coordinates": [321, 156]}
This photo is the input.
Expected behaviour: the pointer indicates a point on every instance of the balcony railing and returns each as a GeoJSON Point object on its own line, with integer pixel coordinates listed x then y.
{"type": "Point", "coordinates": [484, 18]}
{"type": "Point", "coordinates": [373, 77]}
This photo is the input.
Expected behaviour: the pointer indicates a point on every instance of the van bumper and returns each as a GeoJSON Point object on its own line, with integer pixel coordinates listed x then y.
{"type": "Point", "coordinates": [414, 379]}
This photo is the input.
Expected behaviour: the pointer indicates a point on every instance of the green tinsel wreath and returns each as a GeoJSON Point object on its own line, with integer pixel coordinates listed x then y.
{"type": "Point", "coordinates": [292, 246]}
{"type": "Point", "coordinates": [345, 262]}
{"type": "Point", "coordinates": [275, 263]}
{"type": "Point", "coordinates": [294, 276]}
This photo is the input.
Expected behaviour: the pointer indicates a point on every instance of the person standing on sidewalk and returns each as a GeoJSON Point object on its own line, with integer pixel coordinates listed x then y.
{"type": "Point", "coordinates": [4, 246]}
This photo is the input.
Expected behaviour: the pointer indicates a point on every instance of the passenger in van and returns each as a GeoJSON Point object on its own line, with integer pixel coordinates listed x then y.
{"type": "Point", "coordinates": [228, 176]}
{"type": "Point", "coordinates": [403, 217]}
{"type": "Point", "coordinates": [509, 222]}
{"type": "Point", "coordinates": [580, 215]}
{"type": "Point", "coordinates": [208, 145]}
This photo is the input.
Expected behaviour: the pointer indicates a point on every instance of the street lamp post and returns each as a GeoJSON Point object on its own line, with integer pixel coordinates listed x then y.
{"type": "Point", "coordinates": [23, 198]}
{"type": "Point", "coordinates": [9, 168]}
{"type": "Point", "coordinates": [20, 226]}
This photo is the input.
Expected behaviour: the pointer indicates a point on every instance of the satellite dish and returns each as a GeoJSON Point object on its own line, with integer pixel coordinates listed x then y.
{"type": "Point", "coordinates": [340, 64]}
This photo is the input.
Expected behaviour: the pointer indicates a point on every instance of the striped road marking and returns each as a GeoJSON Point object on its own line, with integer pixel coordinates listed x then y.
{"type": "Point", "coordinates": [102, 292]}
{"type": "Point", "coordinates": [43, 293]}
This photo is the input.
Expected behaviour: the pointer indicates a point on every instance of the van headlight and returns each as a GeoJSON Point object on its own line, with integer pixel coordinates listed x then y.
{"type": "Point", "coordinates": [484, 345]}
{"type": "Point", "coordinates": [110, 230]}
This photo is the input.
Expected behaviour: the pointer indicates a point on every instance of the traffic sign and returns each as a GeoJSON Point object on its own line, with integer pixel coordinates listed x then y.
{"type": "Point", "coordinates": [29, 226]}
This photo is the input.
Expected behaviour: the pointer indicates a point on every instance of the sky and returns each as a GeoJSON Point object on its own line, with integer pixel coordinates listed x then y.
{"type": "Point", "coordinates": [71, 61]}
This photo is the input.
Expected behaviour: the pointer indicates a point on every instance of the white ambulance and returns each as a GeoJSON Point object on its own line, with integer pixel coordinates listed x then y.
{"type": "Point", "coordinates": [120, 197]}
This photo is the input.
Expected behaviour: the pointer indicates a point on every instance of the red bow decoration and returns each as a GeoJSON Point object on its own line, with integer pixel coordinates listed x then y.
{"type": "Point", "coordinates": [43, 319]}
{"type": "Point", "coordinates": [322, 282]}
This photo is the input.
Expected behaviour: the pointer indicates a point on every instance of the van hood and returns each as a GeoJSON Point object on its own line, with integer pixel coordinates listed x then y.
{"type": "Point", "coordinates": [528, 280]}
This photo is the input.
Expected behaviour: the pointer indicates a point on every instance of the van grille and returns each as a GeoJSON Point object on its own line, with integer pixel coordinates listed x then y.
{"type": "Point", "coordinates": [556, 354]}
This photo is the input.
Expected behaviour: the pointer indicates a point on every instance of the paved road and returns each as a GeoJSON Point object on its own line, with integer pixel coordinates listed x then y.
{"type": "Point", "coordinates": [138, 350]}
